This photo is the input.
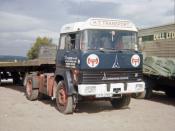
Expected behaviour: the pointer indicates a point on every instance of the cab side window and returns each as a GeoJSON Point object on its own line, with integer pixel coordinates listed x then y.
{"type": "Point", "coordinates": [69, 41]}
{"type": "Point", "coordinates": [62, 42]}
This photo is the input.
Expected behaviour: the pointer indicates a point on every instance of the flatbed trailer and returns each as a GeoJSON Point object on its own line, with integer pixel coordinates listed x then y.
{"type": "Point", "coordinates": [18, 70]}
{"type": "Point", "coordinates": [29, 65]}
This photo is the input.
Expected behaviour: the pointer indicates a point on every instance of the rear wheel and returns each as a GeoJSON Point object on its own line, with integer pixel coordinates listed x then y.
{"type": "Point", "coordinates": [64, 102]}
{"type": "Point", "coordinates": [122, 102]}
{"type": "Point", "coordinates": [31, 94]}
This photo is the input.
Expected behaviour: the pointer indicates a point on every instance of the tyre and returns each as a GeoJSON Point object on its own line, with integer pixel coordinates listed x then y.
{"type": "Point", "coordinates": [122, 102]}
{"type": "Point", "coordinates": [63, 101]}
{"type": "Point", "coordinates": [31, 94]}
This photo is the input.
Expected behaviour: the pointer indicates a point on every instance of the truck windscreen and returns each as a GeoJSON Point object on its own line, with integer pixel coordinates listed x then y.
{"type": "Point", "coordinates": [108, 39]}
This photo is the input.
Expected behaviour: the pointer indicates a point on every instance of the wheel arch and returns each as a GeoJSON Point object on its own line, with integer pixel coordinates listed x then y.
{"type": "Point", "coordinates": [67, 77]}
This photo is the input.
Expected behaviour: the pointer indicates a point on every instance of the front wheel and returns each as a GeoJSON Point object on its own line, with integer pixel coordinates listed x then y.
{"type": "Point", "coordinates": [122, 102]}
{"type": "Point", "coordinates": [63, 101]}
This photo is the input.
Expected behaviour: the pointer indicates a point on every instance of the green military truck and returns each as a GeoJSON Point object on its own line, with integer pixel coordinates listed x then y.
{"type": "Point", "coordinates": [158, 46]}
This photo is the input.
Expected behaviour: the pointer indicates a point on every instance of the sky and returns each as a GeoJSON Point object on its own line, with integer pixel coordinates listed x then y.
{"type": "Point", "coordinates": [22, 21]}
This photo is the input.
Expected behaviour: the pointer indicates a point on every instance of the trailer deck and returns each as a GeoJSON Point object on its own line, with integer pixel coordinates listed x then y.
{"type": "Point", "coordinates": [26, 64]}
{"type": "Point", "coordinates": [17, 69]}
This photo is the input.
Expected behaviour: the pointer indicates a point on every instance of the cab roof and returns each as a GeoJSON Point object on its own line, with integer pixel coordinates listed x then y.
{"type": "Point", "coordinates": [99, 23]}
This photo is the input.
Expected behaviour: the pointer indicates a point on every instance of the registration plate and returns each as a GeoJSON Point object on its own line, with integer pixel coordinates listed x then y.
{"type": "Point", "coordinates": [103, 95]}
{"type": "Point", "coordinates": [90, 89]}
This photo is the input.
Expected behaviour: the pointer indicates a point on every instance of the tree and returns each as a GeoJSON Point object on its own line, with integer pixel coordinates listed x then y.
{"type": "Point", "coordinates": [34, 51]}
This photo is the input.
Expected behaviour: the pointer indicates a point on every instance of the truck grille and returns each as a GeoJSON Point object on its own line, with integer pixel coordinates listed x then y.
{"type": "Point", "coordinates": [96, 77]}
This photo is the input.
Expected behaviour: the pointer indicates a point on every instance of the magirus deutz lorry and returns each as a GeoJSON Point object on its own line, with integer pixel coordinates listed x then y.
{"type": "Point", "coordinates": [96, 60]}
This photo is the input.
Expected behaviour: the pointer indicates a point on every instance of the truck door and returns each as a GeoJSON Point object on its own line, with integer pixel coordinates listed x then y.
{"type": "Point", "coordinates": [67, 55]}
{"type": "Point", "coordinates": [72, 50]}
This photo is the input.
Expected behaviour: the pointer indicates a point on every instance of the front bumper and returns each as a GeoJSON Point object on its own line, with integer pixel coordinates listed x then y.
{"type": "Point", "coordinates": [109, 90]}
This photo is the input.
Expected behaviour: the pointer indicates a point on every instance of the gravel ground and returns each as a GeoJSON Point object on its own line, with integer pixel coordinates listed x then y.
{"type": "Point", "coordinates": [19, 114]}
